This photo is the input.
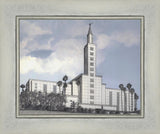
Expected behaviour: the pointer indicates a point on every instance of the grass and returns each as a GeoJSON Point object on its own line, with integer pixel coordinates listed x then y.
{"type": "Point", "coordinates": [45, 112]}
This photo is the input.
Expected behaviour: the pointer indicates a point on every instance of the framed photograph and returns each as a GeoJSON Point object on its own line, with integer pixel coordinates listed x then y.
{"type": "Point", "coordinates": [83, 67]}
{"type": "Point", "coordinates": [64, 63]}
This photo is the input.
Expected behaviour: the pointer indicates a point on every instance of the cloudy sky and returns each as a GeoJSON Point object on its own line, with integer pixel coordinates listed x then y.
{"type": "Point", "coordinates": [49, 49]}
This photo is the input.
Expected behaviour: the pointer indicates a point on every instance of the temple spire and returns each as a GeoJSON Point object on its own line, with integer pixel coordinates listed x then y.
{"type": "Point", "coordinates": [90, 31]}
{"type": "Point", "coordinates": [90, 35]}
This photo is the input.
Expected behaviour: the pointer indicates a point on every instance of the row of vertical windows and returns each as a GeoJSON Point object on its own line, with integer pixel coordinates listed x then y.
{"type": "Point", "coordinates": [91, 74]}
{"type": "Point", "coordinates": [91, 48]}
{"type": "Point", "coordinates": [125, 101]}
{"type": "Point", "coordinates": [91, 80]}
{"type": "Point", "coordinates": [118, 101]}
{"type": "Point", "coordinates": [92, 91]}
{"type": "Point", "coordinates": [45, 88]}
{"type": "Point", "coordinates": [36, 86]}
{"type": "Point", "coordinates": [91, 85]}
{"type": "Point", "coordinates": [110, 98]}
{"type": "Point", "coordinates": [91, 102]}
{"type": "Point", "coordinates": [91, 58]}
{"type": "Point", "coordinates": [91, 53]}
{"type": "Point", "coordinates": [91, 97]}
{"type": "Point", "coordinates": [91, 64]}
{"type": "Point", "coordinates": [91, 69]}
{"type": "Point", "coordinates": [54, 88]}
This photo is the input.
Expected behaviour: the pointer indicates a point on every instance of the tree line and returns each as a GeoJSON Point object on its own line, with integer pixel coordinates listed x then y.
{"type": "Point", "coordinates": [42, 101]}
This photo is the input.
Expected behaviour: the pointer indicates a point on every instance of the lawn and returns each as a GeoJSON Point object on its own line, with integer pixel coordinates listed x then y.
{"type": "Point", "coordinates": [45, 112]}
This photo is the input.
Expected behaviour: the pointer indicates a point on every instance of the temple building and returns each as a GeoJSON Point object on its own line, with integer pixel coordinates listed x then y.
{"type": "Point", "coordinates": [87, 89]}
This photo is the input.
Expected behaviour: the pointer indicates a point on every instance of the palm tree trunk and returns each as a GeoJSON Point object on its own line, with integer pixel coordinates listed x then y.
{"type": "Point", "coordinates": [128, 101]}
{"type": "Point", "coordinates": [121, 102]}
{"type": "Point", "coordinates": [124, 101]}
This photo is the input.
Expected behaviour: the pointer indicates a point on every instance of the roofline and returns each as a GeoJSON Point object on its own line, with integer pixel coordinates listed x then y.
{"type": "Point", "coordinates": [76, 77]}
{"type": "Point", "coordinates": [42, 80]}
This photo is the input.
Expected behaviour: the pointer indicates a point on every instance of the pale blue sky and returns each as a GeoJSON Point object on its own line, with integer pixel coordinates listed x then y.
{"type": "Point", "coordinates": [49, 49]}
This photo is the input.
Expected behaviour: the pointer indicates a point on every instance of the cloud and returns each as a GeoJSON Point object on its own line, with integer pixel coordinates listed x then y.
{"type": "Point", "coordinates": [28, 63]}
{"type": "Point", "coordinates": [31, 29]}
{"type": "Point", "coordinates": [67, 58]}
{"type": "Point", "coordinates": [127, 38]}
{"type": "Point", "coordinates": [103, 41]}
{"type": "Point", "coordinates": [77, 29]}
{"type": "Point", "coordinates": [28, 32]}
{"type": "Point", "coordinates": [66, 55]}
{"type": "Point", "coordinates": [29, 45]}
{"type": "Point", "coordinates": [40, 53]}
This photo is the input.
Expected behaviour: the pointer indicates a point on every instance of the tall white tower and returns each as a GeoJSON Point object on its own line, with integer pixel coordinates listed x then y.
{"type": "Point", "coordinates": [91, 89]}
{"type": "Point", "coordinates": [90, 55]}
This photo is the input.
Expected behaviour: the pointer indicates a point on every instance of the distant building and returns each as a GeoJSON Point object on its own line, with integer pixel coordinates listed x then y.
{"type": "Point", "coordinates": [87, 89]}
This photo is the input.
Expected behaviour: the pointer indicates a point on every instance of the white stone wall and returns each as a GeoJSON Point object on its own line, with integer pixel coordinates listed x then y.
{"type": "Point", "coordinates": [68, 89]}
{"type": "Point", "coordinates": [74, 88]}
{"type": "Point", "coordinates": [90, 106]}
{"type": "Point", "coordinates": [85, 89]}
{"type": "Point", "coordinates": [97, 90]}
{"type": "Point", "coordinates": [37, 85]}
{"type": "Point", "coordinates": [103, 94]}
{"type": "Point", "coordinates": [110, 108]}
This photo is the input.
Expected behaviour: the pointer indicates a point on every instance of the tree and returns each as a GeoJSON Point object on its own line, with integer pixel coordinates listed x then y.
{"type": "Point", "coordinates": [65, 78]}
{"type": "Point", "coordinates": [136, 97]}
{"type": "Point", "coordinates": [129, 86]}
{"type": "Point", "coordinates": [129, 89]}
{"type": "Point", "coordinates": [59, 83]}
{"type": "Point", "coordinates": [52, 101]}
{"type": "Point", "coordinates": [73, 105]}
{"type": "Point", "coordinates": [125, 99]}
{"type": "Point", "coordinates": [22, 86]}
{"type": "Point", "coordinates": [64, 88]}
{"type": "Point", "coordinates": [78, 83]}
{"type": "Point", "coordinates": [121, 87]}
{"type": "Point", "coordinates": [132, 91]}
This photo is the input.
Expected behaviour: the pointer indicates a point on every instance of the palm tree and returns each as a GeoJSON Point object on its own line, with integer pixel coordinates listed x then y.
{"type": "Point", "coordinates": [136, 97]}
{"type": "Point", "coordinates": [65, 78]}
{"type": "Point", "coordinates": [129, 85]}
{"type": "Point", "coordinates": [121, 87]}
{"type": "Point", "coordinates": [78, 83]}
{"type": "Point", "coordinates": [129, 90]}
{"type": "Point", "coordinates": [64, 88]}
{"type": "Point", "coordinates": [59, 83]}
{"type": "Point", "coordinates": [22, 86]}
{"type": "Point", "coordinates": [125, 101]}
{"type": "Point", "coordinates": [132, 91]}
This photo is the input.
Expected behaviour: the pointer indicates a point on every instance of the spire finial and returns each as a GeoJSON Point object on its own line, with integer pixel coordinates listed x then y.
{"type": "Point", "coordinates": [90, 31]}
{"type": "Point", "coordinates": [90, 24]}
{"type": "Point", "coordinates": [90, 35]}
